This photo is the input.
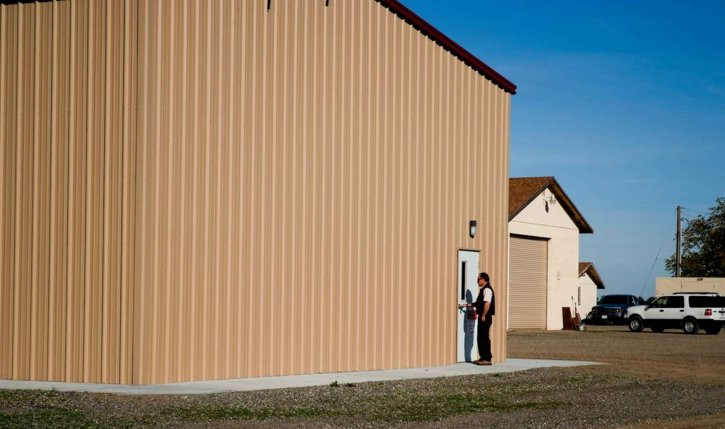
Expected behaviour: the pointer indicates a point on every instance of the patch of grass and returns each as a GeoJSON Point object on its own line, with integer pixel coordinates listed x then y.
{"type": "Point", "coordinates": [50, 408]}
{"type": "Point", "coordinates": [54, 417]}
{"type": "Point", "coordinates": [203, 412]}
{"type": "Point", "coordinates": [21, 395]}
{"type": "Point", "coordinates": [384, 406]}
{"type": "Point", "coordinates": [437, 406]}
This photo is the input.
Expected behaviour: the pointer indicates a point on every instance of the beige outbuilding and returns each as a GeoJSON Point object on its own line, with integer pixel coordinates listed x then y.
{"type": "Point", "coordinates": [669, 285]}
{"type": "Point", "coordinates": [208, 189]}
{"type": "Point", "coordinates": [587, 286]}
{"type": "Point", "coordinates": [544, 228]}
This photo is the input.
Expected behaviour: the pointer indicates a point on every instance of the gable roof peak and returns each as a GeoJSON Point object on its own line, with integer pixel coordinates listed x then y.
{"type": "Point", "coordinates": [523, 190]}
{"type": "Point", "coordinates": [588, 268]}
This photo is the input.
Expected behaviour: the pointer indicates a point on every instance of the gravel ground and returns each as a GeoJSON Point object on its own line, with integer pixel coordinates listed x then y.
{"type": "Point", "coordinates": [654, 380]}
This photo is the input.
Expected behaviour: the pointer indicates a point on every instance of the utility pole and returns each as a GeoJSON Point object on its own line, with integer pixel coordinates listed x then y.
{"type": "Point", "coordinates": [679, 241]}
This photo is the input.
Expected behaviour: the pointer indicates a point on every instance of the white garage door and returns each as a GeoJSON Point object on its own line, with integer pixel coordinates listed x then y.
{"type": "Point", "coordinates": [527, 283]}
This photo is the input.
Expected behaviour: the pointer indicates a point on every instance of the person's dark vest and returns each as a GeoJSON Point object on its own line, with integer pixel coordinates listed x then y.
{"type": "Point", "coordinates": [492, 307]}
{"type": "Point", "coordinates": [479, 301]}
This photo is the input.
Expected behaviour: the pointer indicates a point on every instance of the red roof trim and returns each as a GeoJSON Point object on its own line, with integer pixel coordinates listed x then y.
{"type": "Point", "coordinates": [456, 49]}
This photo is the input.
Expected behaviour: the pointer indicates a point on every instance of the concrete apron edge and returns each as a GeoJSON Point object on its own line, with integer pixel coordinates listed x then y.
{"type": "Point", "coordinates": [292, 381]}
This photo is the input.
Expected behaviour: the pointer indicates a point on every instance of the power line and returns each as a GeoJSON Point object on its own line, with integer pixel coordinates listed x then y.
{"type": "Point", "coordinates": [651, 268]}
{"type": "Point", "coordinates": [697, 212]}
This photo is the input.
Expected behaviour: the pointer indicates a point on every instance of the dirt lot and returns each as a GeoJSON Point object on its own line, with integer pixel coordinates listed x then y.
{"type": "Point", "coordinates": [670, 355]}
{"type": "Point", "coordinates": [667, 380]}
{"type": "Point", "coordinates": [663, 359]}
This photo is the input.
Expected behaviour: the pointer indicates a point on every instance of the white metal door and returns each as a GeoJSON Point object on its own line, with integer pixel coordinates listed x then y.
{"type": "Point", "coordinates": [466, 290]}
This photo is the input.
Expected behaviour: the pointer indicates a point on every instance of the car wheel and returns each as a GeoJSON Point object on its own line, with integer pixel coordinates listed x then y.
{"type": "Point", "coordinates": [658, 329]}
{"type": "Point", "coordinates": [689, 325]}
{"type": "Point", "coordinates": [635, 324]}
{"type": "Point", "coordinates": [713, 330]}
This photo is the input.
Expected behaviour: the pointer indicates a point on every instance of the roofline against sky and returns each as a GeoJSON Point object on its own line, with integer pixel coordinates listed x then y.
{"type": "Point", "coordinates": [426, 28]}
{"type": "Point", "coordinates": [436, 35]}
{"type": "Point", "coordinates": [567, 204]}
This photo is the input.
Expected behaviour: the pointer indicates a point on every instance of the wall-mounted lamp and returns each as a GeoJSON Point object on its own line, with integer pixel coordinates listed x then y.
{"type": "Point", "coordinates": [550, 200]}
{"type": "Point", "coordinates": [472, 228]}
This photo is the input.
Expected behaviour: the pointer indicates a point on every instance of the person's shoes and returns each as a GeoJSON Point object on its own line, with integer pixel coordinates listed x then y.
{"type": "Point", "coordinates": [483, 362]}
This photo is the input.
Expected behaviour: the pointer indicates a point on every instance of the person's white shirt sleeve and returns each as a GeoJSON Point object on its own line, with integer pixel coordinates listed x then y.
{"type": "Point", "coordinates": [487, 295]}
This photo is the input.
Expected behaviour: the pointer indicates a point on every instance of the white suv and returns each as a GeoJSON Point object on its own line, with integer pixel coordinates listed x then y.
{"type": "Point", "coordinates": [687, 311]}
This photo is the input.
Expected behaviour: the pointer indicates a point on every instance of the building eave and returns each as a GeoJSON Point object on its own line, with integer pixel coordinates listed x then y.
{"type": "Point", "coordinates": [566, 203]}
{"type": "Point", "coordinates": [448, 44]}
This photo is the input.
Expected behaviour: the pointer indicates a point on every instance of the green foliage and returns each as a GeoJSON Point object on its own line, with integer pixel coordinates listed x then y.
{"type": "Point", "coordinates": [703, 245]}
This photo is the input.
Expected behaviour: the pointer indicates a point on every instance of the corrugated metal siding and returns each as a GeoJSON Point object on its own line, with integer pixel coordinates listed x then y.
{"type": "Point", "coordinates": [527, 283]}
{"type": "Point", "coordinates": [303, 176]}
{"type": "Point", "coordinates": [307, 173]}
{"type": "Point", "coordinates": [64, 107]}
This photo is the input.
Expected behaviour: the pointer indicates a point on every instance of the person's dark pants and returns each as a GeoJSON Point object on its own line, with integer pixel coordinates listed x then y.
{"type": "Point", "coordinates": [484, 340]}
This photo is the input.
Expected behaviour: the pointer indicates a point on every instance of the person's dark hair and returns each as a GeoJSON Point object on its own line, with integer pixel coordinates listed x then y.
{"type": "Point", "coordinates": [484, 276]}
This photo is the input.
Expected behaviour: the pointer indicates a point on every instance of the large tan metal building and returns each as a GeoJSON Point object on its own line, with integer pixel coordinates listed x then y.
{"type": "Point", "coordinates": [212, 189]}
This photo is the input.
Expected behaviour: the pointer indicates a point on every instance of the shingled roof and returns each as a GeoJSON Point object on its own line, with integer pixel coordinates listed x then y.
{"type": "Point", "coordinates": [523, 190]}
{"type": "Point", "coordinates": [588, 268]}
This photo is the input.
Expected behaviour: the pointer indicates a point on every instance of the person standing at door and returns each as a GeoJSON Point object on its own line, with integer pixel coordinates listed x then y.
{"type": "Point", "coordinates": [486, 308]}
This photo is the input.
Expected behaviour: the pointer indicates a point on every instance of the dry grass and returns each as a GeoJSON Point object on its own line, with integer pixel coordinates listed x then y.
{"type": "Point", "coordinates": [712, 421]}
{"type": "Point", "coordinates": [670, 355]}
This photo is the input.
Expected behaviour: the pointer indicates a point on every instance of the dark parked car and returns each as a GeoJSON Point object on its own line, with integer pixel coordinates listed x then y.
{"type": "Point", "coordinates": [612, 309]}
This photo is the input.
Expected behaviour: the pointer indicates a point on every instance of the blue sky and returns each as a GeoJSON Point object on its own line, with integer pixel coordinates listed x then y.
{"type": "Point", "coordinates": [622, 101]}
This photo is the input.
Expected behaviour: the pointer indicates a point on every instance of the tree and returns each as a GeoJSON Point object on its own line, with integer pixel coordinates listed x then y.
{"type": "Point", "coordinates": [703, 245]}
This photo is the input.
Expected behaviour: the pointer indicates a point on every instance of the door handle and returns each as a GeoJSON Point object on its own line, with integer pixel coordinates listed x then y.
{"type": "Point", "coordinates": [661, 311]}
{"type": "Point", "coordinates": [682, 311]}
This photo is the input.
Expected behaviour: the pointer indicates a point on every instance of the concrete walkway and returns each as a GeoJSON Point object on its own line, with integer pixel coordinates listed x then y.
{"type": "Point", "coordinates": [291, 381]}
